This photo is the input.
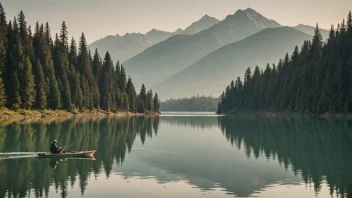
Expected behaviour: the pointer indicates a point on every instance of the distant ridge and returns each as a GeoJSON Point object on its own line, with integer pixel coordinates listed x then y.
{"type": "Point", "coordinates": [124, 47]}
{"type": "Point", "coordinates": [310, 30]}
{"type": "Point", "coordinates": [213, 72]}
{"type": "Point", "coordinates": [178, 52]}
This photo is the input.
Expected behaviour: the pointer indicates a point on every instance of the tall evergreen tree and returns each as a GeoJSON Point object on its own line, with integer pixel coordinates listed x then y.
{"type": "Point", "coordinates": [97, 65]}
{"type": "Point", "coordinates": [55, 95]}
{"type": "Point", "coordinates": [28, 89]}
{"type": "Point", "coordinates": [23, 31]}
{"type": "Point", "coordinates": [41, 101]}
{"type": "Point", "coordinates": [131, 93]}
{"type": "Point", "coordinates": [122, 79]}
{"type": "Point", "coordinates": [150, 105]}
{"type": "Point", "coordinates": [64, 34]}
{"type": "Point", "coordinates": [16, 98]}
{"type": "Point", "coordinates": [143, 96]}
{"type": "Point", "coordinates": [317, 43]}
{"type": "Point", "coordinates": [156, 103]}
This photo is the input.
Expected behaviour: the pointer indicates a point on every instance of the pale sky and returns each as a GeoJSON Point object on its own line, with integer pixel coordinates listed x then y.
{"type": "Point", "coordinates": [99, 18]}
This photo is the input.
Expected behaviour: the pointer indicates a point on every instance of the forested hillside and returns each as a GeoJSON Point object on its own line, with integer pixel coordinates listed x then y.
{"type": "Point", "coordinates": [41, 72]}
{"type": "Point", "coordinates": [315, 79]}
{"type": "Point", "coordinates": [195, 103]}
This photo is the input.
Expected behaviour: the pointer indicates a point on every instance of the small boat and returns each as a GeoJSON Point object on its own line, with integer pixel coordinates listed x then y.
{"type": "Point", "coordinates": [83, 154]}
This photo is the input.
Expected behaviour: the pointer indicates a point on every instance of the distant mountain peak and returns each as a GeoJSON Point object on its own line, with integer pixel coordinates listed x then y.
{"type": "Point", "coordinates": [206, 17]}
{"type": "Point", "coordinates": [252, 15]}
{"type": "Point", "coordinates": [203, 23]}
{"type": "Point", "coordinates": [178, 31]}
{"type": "Point", "coordinates": [250, 10]}
{"type": "Point", "coordinates": [155, 31]}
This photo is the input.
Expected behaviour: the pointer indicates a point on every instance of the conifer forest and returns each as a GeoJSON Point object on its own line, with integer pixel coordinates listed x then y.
{"type": "Point", "coordinates": [41, 72]}
{"type": "Point", "coordinates": [315, 79]}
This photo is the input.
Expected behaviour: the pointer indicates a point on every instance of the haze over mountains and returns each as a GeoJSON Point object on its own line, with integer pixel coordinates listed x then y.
{"type": "Point", "coordinates": [121, 48]}
{"type": "Point", "coordinates": [207, 55]}
{"type": "Point", "coordinates": [178, 52]}
{"type": "Point", "coordinates": [223, 65]}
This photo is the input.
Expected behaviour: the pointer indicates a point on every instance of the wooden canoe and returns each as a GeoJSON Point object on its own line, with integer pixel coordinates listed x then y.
{"type": "Point", "coordinates": [67, 154]}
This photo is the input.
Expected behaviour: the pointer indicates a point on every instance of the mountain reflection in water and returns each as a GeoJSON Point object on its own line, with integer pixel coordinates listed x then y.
{"type": "Point", "coordinates": [239, 155]}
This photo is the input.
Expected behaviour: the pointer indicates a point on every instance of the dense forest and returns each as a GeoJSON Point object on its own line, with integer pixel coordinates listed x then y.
{"type": "Point", "coordinates": [44, 73]}
{"type": "Point", "coordinates": [316, 79]}
{"type": "Point", "coordinates": [195, 103]}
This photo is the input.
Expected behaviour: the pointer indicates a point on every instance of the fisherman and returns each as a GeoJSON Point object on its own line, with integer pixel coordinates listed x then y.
{"type": "Point", "coordinates": [54, 148]}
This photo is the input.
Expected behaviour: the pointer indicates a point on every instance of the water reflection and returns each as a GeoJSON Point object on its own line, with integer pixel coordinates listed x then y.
{"type": "Point", "coordinates": [256, 153]}
{"type": "Point", "coordinates": [317, 149]}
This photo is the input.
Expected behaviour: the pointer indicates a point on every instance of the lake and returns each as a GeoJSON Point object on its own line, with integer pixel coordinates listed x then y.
{"type": "Point", "coordinates": [183, 155]}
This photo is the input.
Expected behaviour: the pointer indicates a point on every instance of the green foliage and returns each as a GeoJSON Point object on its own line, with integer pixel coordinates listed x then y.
{"type": "Point", "coordinates": [195, 103]}
{"type": "Point", "coordinates": [16, 97]}
{"type": "Point", "coordinates": [156, 103]}
{"type": "Point", "coordinates": [316, 80]}
{"type": "Point", "coordinates": [131, 93]}
{"type": "Point", "coordinates": [45, 74]}
{"type": "Point", "coordinates": [28, 86]}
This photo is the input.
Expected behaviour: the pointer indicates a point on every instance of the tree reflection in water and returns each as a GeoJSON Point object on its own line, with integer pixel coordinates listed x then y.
{"type": "Point", "coordinates": [319, 150]}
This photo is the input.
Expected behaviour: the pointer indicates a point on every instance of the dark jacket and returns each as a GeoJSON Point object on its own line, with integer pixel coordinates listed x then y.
{"type": "Point", "coordinates": [54, 148]}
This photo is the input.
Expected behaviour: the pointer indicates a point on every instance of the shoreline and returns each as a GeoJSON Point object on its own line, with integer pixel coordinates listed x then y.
{"type": "Point", "coordinates": [275, 114]}
{"type": "Point", "coordinates": [22, 114]}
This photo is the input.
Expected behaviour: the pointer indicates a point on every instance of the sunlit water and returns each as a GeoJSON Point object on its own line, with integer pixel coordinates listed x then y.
{"type": "Point", "coordinates": [187, 155]}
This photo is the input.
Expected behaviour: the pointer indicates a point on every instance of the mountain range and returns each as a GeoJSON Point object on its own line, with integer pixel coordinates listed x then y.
{"type": "Point", "coordinates": [218, 68]}
{"type": "Point", "coordinates": [207, 55]}
{"type": "Point", "coordinates": [121, 48]}
{"type": "Point", "coordinates": [178, 52]}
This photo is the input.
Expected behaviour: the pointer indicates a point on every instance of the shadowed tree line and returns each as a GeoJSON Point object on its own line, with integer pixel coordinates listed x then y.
{"type": "Point", "coordinates": [316, 79]}
{"type": "Point", "coordinates": [316, 149]}
{"type": "Point", "coordinates": [41, 72]}
{"type": "Point", "coordinates": [111, 137]}
{"type": "Point", "coordinates": [195, 103]}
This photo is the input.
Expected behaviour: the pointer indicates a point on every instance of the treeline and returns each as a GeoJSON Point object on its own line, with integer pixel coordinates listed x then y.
{"type": "Point", "coordinates": [42, 73]}
{"type": "Point", "coordinates": [195, 103]}
{"type": "Point", "coordinates": [316, 79]}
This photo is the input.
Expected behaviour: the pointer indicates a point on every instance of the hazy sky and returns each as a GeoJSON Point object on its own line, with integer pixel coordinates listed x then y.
{"type": "Point", "coordinates": [98, 18]}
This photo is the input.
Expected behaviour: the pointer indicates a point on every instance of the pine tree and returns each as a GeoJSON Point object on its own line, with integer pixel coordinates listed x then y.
{"type": "Point", "coordinates": [3, 39]}
{"type": "Point", "coordinates": [64, 34]}
{"type": "Point", "coordinates": [131, 93]}
{"type": "Point", "coordinates": [3, 54]}
{"type": "Point", "coordinates": [3, 23]}
{"type": "Point", "coordinates": [72, 56]}
{"type": "Point", "coordinates": [28, 89]}
{"type": "Point", "coordinates": [41, 101]}
{"type": "Point", "coordinates": [122, 79]}
{"type": "Point", "coordinates": [47, 34]}
{"type": "Point", "coordinates": [150, 101]}
{"type": "Point", "coordinates": [3, 97]}
{"type": "Point", "coordinates": [143, 96]}
{"type": "Point", "coordinates": [55, 95]}
{"type": "Point", "coordinates": [156, 103]}
{"type": "Point", "coordinates": [23, 28]}
{"type": "Point", "coordinates": [16, 97]}
{"type": "Point", "coordinates": [317, 43]}
{"type": "Point", "coordinates": [83, 57]}
{"type": "Point", "coordinates": [97, 65]}
{"type": "Point", "coordinates": [106, 102]}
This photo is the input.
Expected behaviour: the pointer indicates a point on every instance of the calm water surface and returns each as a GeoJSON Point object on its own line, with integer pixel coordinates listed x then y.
{"type": "Point", "coordinates": [180, 156]}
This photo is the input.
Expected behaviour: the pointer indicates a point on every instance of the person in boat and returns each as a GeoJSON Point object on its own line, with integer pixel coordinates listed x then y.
{"type": "Point", "coordinates": [54, 148]}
